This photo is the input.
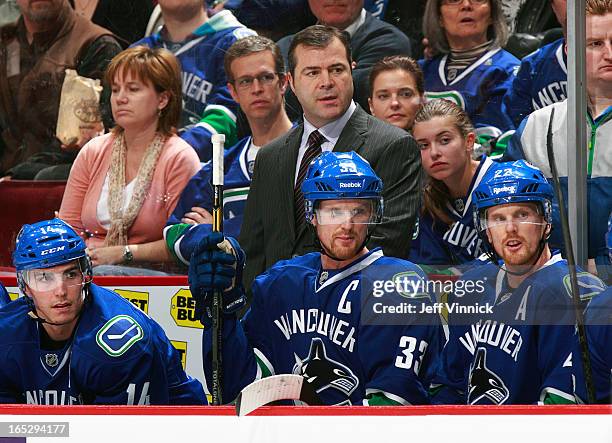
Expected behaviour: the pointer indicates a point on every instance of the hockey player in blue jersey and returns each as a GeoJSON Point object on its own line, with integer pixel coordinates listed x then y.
{"type": "Point", "coordinates": [542, 78]}
{"type": "Point", "coordinates": [200, 43]}
{"type": "Point", "coordinates": [521, 351]}
{"type": "Point", "coordinates": [256, 73]}
{"type": "Point", "coordinates": [471, 68]}
{"type": "Point", "coordinates": [598, 321]}
{"type": "Point", "coordinates": [319, 315]}
{"type": "Point", "coordinates": [529, 141]}
{"type": "Point", "coordinates": [68, 341]}
{"type": "Point", "coordinates": [445, 235]}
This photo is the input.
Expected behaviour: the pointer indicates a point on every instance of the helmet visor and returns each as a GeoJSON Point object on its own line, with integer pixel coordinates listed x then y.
{"type": "Point", "coordinates": [502, 221]}
{"type": "Point", "coordinates": [358, 213]}
{"type": "Point", "coordinates": [47, 280]}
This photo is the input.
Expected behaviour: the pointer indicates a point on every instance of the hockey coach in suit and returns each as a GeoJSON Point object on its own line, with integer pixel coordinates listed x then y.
{"type": "Point", "coordinates": [274, 227]}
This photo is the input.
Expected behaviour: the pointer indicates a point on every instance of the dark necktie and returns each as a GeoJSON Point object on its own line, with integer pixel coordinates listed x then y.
{"type": "Point", "coordinates": [313, 149]}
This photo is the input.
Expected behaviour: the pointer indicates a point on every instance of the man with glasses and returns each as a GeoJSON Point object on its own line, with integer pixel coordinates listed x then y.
{"type": "Point", "coordinates": [257, 82]}
{"type": "Point", "coordinates": [520, 351]}
{"type": "Point", "coordinates": [68, 341]}
{"type": "Point", "coordinates": [319, 315]}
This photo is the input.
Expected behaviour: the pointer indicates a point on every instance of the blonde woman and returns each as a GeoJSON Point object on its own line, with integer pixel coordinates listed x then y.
{"type": "Point", "coordinates": [124, 185]}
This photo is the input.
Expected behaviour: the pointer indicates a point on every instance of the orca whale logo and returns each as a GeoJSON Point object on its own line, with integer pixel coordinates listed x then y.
{"type": "Point", "coordinates": [484, 383]}
{"type": "Point", "coordinates": [324, 373]}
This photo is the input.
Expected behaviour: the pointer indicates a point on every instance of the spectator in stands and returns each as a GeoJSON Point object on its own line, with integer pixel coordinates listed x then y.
{"type": "Point", "coordinates": [396, 90]}
{"type": "Point", "coordinates": [542, 77]}
{"type": "Point", "coordinates": [126, 19]}
{"type": "Point", "coordinates": [470, 68]}
{"type": "Point", "coordinates": [257, 81]}
{"type": "Point", "coordinates": [200, 43]}
{"type": "Point", "coordinates": [124, 185]}
{"type": "Point", "coordinates": [371, 40]}
{"type": "Point", "coordinates": [274, 226]}
{"type": "Point", "coordinates": [530, 140]}
{"type": "Point", "coordinates": [48, 39]}
{"type": "Point", "coordinates": [445, 235]}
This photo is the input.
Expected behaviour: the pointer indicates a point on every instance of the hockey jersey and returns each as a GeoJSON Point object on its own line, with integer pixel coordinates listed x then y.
{"type": "Point", "coordinates": [208, 107]}
{"type": "Point", "coordinates": [182, 238]}
{"type": "Point", "coordinates": [520, 351]}
{"type": "Point", "coordinates": [478, 89]}
{"type": "Point", "coordinates": [435, 243]}
{"type": "Point", "coordinates": [116, 355]}
{"type": "Point", "coordinates": [329, 327]}
{"type": "Point", "coordinates": [540, 81]}
{"type": "Point", "coordinates": [529, 143]}
{"type": "Point", "coordinates": [598, 321]}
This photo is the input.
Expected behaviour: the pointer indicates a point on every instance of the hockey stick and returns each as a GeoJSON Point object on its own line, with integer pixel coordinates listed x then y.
{"type": "Point", "coordinates": [218, 141]}
{"type": "Point", "coordinates": [569, 252]}
{"type": "Point", "coordinates": [275, 388]}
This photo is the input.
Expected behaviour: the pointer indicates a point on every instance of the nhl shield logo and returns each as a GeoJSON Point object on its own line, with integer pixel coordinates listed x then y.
{"type": "Point", "coordinates": [51, 360]}
{"type": "Point", "coordinates": [323, 277]}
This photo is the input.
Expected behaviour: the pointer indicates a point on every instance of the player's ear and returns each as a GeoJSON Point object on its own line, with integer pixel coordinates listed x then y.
{"type": "Point", "coordinates": [290, 80]}
{"type": "Point", "coordinates": [470, 139]}
{"type": "Point", "coordinates": [283, 82]}
{"type": "Point", "coordinates": [371, 108]}
{"type": "Point", "coordinates": [232, 91]}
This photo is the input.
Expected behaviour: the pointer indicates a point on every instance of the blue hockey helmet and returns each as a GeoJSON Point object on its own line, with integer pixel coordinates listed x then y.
{"type": "Point", "coordinates": [341, 175]}
{"type": "Point", "coordinates": [46, 244]}
{"type": "Point", "coordinates": [512, 182]}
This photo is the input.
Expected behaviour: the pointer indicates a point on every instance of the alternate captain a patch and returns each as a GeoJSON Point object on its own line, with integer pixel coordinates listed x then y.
{"type": "Point", "coordinates": [118, 335]}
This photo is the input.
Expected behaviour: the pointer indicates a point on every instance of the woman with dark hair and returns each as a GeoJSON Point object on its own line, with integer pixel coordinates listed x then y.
{"type": "Point", "coordinates": [396, 90]}
{"type": "Point", "coordinates": [470, 69]}
{"type": "Point", "coordinates": [124, 185]}
{"type": "Point", "coordinates": [445, 235]}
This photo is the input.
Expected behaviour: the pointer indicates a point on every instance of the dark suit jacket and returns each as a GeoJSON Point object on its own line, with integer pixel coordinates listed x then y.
{"type": "Point", "coordinates": [268, 232]}
{"type": "Point", "coordinates": [372, 41]}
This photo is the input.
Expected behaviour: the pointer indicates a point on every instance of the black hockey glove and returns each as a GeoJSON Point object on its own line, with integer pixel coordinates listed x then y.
{"type": "Point", "coordinates": [216, 264]}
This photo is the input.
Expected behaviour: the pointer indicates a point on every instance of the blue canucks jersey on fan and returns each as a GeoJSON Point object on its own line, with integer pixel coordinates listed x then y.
{"type": "Point", "coordinates": [478, 89]}
{"type": "Point", "coordinates": [307, 321]}
{"type": "Point", "coordinates": [529, 143]}
{"type": "Point", "coordinates": [182, 238]}
{"type": "Point", "coordinates": [117, 355]}
{"type": "Point", "coordinates": [439, 244]}
{"type": "Point", "coordinates": [540, 81]}
{"type": "Point", "coordinates": [598, 321]}
{"type": "Point", "coordinates": [208, 107]}
{"type": "Point", "coordinates": [520, 352]}
{"type": "Point", "coordinates": [4, 297]}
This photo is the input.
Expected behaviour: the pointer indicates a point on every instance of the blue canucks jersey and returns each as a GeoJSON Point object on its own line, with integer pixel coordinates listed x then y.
{"type": "Point", "coordinates": [520, 351]}
{"type": "Point", "coordinates": [529, 143]}
{"type": "Point", "coordinates": [325, 325]}
{"type": "Point", "coordinates": [435, 243]}
{"type": "Point", "coordinates": [598, 321]}
{"type": "Point", "coordinates": [208, 107]}
{"type": "Point", "coordinates": [117, 355]}
{"type": "Point", "coordinates": [4, 297]}
{"type": "Point", "coordinates": [478, 89]}
{"type": "Point", "coordinates": [540, 81]}
{"type": "Point", "coordinates": [182, 238]}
